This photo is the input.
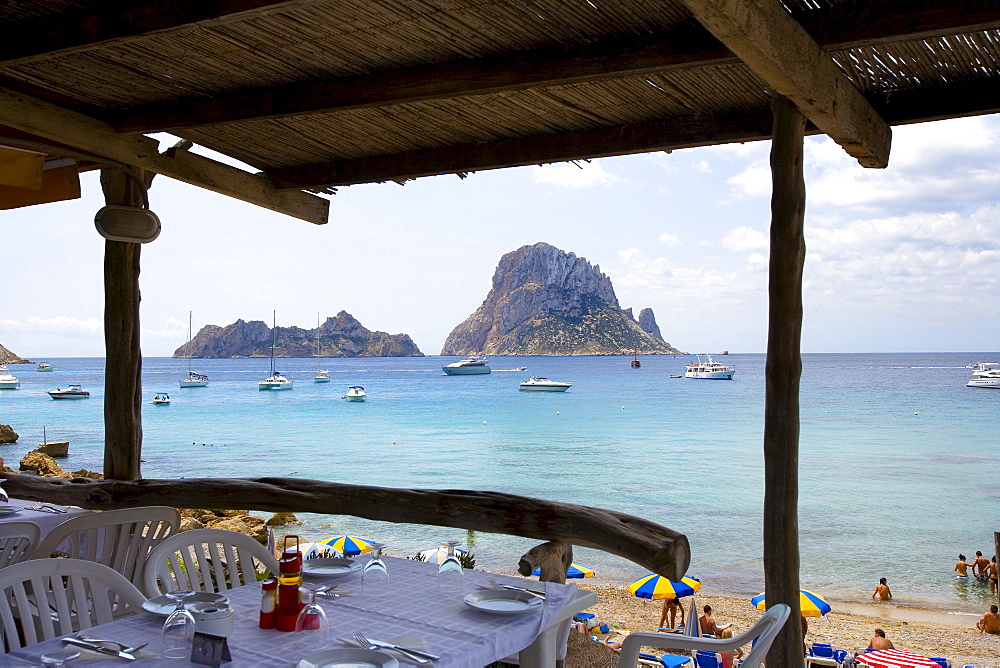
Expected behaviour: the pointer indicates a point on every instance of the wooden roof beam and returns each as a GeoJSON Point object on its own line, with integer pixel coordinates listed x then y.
{"type": "Point", "coordinates": [779, 50]}
{"type": "Point", "coordinates": [119, 20]}
{"type": "Point", "coordinates": [899, 107]}
{"type": "Point", "coordinates": [36, 117]}
{"type": "Point", "coordinates": [686, 45]}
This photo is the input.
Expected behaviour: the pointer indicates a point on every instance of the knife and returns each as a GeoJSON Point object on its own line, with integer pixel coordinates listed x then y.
{"type": "Point", "coordinates": [100, 649]}
{"type": "Point", "coordinates": [524, 589]}
{"type": "Point", "coordinates": [407, 650]}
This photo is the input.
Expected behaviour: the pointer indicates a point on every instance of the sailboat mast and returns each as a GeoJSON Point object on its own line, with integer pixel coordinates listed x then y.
{"type": "Point", "coordinates": [274, 326]}
{"type": "Point", "coordinates": [189, 344]}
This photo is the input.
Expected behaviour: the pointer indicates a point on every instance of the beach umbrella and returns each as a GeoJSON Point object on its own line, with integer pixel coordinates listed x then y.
{"type": "Point", "coordinates": [575, 571]}
{"type": "Point", "coordinates": [812, 605]}
{"type": "Point", "coordinates": [693, 628]}
{"type": "Point", "coordinates": [658, 587]}
{"type": "Point", "coordinates": [350, 545]}
{"type": "Point", "coordinates": [438, 554]}
{"type": "Point", "coordinates": [315, 550]}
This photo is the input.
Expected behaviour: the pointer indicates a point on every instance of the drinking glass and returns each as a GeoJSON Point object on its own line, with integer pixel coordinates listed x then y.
{"type": "Point", "coordinates": [312, 631]}
{"type": "Point", "coordinates": [375, 577]}
{"type": "Point", "coordinates": [178, 630]}
{"type": "Point", "coordinates": [450, 571]}
{"type": "Point", "coordinates": [58, 657]}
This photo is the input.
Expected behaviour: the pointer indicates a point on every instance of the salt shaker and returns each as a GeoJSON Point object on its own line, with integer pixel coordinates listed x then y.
{"type": "Point", "coordinates": [268, 602]}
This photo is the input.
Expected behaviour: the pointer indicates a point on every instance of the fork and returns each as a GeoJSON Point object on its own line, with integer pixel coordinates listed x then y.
{"type": "Point", "coordinates": [368, 644]}
{"type": "Point", "coordinates": [496, 585]}
{"type": "Point", "coordinates": [122, 647]}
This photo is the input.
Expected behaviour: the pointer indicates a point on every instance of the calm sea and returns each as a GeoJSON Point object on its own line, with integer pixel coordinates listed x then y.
{"type": "Point", "coordinates": [898, 457]}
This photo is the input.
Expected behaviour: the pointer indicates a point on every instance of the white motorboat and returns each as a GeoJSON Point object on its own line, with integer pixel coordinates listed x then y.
{"type": "Point", "coordinates": [355, 393]}
{"type": "Point", "coordinates": [71, 392]}
{"type": "Point", "coordinates": [43, 366]}
{"type": "Point", "coordinates": [985, 368]}
{"type": "Point", "coordinates": [275, 381]}
{"type": "Point", "coordinates": [8, 381]}
{"type": "Point", "coordinates": [985, 381]}
{"type": "Point", "coordinates": [709, 370]}
{"type": "Point", "coordinates": [194, 379]}
{"type": "Point", "coordinates": [468, 366]}
{"type": "Point", "coordinates": [160, 399]}
{"type": "Point", "coordinates": [539, 384]}
{"type": "Point", "coordinates": [520, 368]}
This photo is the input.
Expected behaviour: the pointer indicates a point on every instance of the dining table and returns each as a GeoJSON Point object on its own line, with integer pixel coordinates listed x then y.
{"type": "Point", "coordinates": [415, 607]}
{"type": "Point", "coordinates": [47, 520]}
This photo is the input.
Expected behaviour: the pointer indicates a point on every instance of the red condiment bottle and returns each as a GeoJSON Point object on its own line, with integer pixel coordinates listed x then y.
{"type": "Point", "coordinates": [268, 602]}
{"type": "Point", "coordinates": [289, 579]}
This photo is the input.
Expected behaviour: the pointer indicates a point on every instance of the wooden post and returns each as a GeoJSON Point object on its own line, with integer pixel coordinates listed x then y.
{"type": "Point", "coordinates": [123, 365]}
{"type": "Point", "coordinates": [996, 553]}
{"type": "Point", "coordinates": [782, 372]}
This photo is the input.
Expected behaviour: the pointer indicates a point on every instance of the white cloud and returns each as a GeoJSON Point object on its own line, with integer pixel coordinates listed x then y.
{"type": "Point", "coordinates": [670, 240]}
{"type": "Point", "coordinates": [742, 239]}
{"type": "Point", "coordinates": [754, 181]}
{"type": "Point", "coordinates": [580, 174]}
{"type": "Point", "coordinates": [65, 325]}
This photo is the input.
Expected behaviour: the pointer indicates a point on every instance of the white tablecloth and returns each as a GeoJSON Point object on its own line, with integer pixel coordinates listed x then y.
{"type": "Point", "coordinates": [462, 636]}
{"type": "Point", "coordinates": [45, 521]}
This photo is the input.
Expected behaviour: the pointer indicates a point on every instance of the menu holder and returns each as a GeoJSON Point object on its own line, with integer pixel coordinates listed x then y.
{"type": "Point", "coordinates": [209, 650]}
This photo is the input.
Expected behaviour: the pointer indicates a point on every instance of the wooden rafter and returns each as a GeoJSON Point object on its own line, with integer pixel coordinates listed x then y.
{"type": "Point", "coordinates": [685, 46]}
{"type": "Point", "coordinates": [898, 108]}
{"type": "Point", "coordinates": [88, 135]}
{"type": "Point", "coordinates": [122, 19]}
{"type": "Point", "coordinates": [779, 50]}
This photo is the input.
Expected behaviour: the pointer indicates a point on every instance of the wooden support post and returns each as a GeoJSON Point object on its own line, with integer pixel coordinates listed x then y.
{"type": "Point", "coordinates": [123, 358]}
{"type": "Point", "coordinates": [996, 553]}
{"type": "Point", "coordinates": [783, 371]}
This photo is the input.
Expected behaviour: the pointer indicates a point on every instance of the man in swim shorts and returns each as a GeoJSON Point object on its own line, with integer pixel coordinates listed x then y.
{"type": "Point", "coordinates": [882, 591]}
{"type": "Point", "coordinates": [707, 622]}
{"type": "Point", "coordinates": [979, 567]}
{"type": "Point", "coordinates": [990, 622]}
{"type": "Point", "coordinates": [961, 567]}
{"type": "Point", "coordinates": [880, 641]}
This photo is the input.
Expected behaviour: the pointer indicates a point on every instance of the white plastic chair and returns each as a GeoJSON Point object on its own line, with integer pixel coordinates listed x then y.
{"type": "Point", "coordinates": [42, 599]}
{"type": "Point", "coordinates": [764, 631]}
{"type": "Point", "coordinates": [121, 539]}
{"type": "Point", "coordinates": [210, 560]}
{"type": "Point", "coordinates": [18, 541]}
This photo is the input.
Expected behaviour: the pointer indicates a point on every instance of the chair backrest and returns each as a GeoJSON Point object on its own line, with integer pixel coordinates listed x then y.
{"type": "Point", "coordinates": [821, 649]}
{"type": "Point", "coordinates": [18, 541]}
{"type": "Point", "coordinates": [121, 539]}
{"type": "Point", "coordinates": [42, 599]}
{"type": "Point", "coordinates": [211, 560]}
{"type": "Point", "coordinates": [764, 631]}
{"type": "Point", "coordinates": [705, 659]}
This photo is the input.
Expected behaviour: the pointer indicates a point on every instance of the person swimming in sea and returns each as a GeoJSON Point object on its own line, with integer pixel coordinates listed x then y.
{"type": "Point", "coordinates": [882, 591]}
{"type": "Point", "coordinates": [961, 567]}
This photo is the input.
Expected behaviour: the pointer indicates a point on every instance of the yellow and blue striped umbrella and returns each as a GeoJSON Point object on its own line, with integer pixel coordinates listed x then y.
{"type": "Point", "coordinates": [812, 605]}
{"type": "Point", "coordinates": [436, 555]}
{"type": "Point", "coordinates": [575, 571]}
{"type": "Point", "coordinates": [658, 587]}
{"type": "Point", "coordinates": [350, 545]}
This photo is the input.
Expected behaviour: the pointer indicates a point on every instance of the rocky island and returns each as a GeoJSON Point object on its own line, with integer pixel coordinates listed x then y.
{"type": "Point", "coordinates": [9, 357]}
{"type": "Point", "coordinates": [340, 336]}
{"type": "Point", "coordinates": [545, 301]}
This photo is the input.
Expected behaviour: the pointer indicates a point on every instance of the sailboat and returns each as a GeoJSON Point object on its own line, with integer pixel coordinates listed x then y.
{"type": "Point", "coordinates": [275, 381]}
{"type": "Point", "coordinates": [322, 375]}
{"type": "Point", "coordinates": [194, 379]}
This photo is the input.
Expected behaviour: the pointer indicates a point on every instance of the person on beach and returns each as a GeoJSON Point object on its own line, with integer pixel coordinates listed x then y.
{"type": "Point", "coordinates": [882, 591]}
{"type": "Point", "coordinates": [670, 607]}
{"type": "Point", "coordinates": [979, 567]}
{"type": "Point", "coordinates": [991, 570]}
{"type": "Point", "coordinates": [990, 622]}
{"type": "Point", "coordinates": [728, 657]}
{"type": "Point", "coordinates": [879, 641]}
{"type": "Point", "coordinates": [707, 623]}
{"type": "Point", "coordinates": [961, 567]}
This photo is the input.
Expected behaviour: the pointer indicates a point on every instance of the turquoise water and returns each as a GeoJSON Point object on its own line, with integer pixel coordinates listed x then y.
{"type": "Point", "coordinates": [898, 464]}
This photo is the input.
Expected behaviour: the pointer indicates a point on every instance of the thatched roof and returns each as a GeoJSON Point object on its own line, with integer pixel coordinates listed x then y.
{"type": "Point", "coordinates": [325, 93]}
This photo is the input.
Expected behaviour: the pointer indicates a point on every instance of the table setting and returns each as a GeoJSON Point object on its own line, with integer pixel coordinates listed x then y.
{"type": "Point", "coordinates": [376, 611]}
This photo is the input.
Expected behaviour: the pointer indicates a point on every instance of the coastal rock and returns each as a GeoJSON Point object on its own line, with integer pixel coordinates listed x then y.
{"type": "Point", "coordinates": [648, 323]}
{"type": "Point", "coordinates": [189, 523]}
{"type": "Point", "coordinates": [9, 357]}
{"type": "Point", "coordinates": [283, 519]}
{"type": "Point", "coordinates": [545, 301]}
{"type": "Point", "coordinates": [251, 525]}
{"type": "Point", "coordinates": [340, 336]}
{"type": "Point", "coordinates": [84, 473]}
{"type": "Point", "coordinates": [42, 465]}
{"type": "Point", "coordinates": [7, 434]}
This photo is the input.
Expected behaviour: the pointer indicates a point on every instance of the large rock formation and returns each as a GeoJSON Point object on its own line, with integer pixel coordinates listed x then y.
{"type": "Point", "coordinates": [648, 323]}
{"type": "Point", "coordinates": [545, 301]}
{"type": "Point", "coordinates": [342, 336]}
{"type": "Point", "coordinates": [8, 357]}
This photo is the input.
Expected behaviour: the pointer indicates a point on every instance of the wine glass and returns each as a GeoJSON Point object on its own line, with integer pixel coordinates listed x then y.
{"type": "Point", "coordinates": [178, 630]}
{"type": "Point", "coordinates": [450, 571]}
{"type": "Point", "coordinates": [312, 631]}
{"type": "Point", "coordinates": [375, 577]}
{"type": "Point", "coordinates": [58, 657]}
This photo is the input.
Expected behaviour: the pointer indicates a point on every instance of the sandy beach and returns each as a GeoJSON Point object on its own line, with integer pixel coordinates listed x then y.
{"type": "Point", "coordinates": [850, 626]}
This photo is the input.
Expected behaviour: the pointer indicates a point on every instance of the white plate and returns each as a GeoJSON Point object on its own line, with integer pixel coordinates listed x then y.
{"type": "Point", "coordinates": [348, 658]}
{"type": "Point", "coordinates": [164, 605]}
{"type": "Point", "coordinates": [506, 602]}
{"type": "Point", "coordinates": [329, 568]}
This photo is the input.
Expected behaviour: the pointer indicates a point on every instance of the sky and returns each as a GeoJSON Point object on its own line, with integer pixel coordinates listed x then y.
{"type": "Point", "coordinates": [903, 259]}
